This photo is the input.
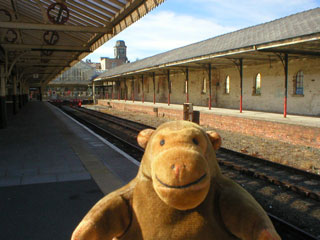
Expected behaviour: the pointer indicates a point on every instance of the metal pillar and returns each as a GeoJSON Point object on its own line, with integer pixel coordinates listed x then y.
{"type": "Point", "coordinates": [94, 93]}
{"type": "Point", "coordinates": [241, 83]}
{"type": "Point", "coordinates": [142, 88]}
{"type": "Point", "coordinates": [20, 95]}
{"type": "Point", "coordinates": [154, 87]}
{"type": "Point", "coordinates": [119, 89]}
{"type": "Point", "coordinates": [112, 90]}
{"type": "Point", "coordinates": [169, 86]}
{"type": "Point", "coordinates": [187, 85]}
{"type": "Point", "coordinates": [285, 85]}
{"type": "Point", "coordinates": [210, 93]}
{"type": "Point", "coordinates": [125, 90]}
{"type": "Point", "coordinates": [132, 89]}
{"type": "Point", "coordinates": [3, 106]}
{"type": "Point", "coordinates": [14, 94]}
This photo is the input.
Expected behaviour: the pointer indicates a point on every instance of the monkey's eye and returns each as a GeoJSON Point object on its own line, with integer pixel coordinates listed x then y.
{"type": "Point", "coordinates": [195, 141]}
{"type": "Point", "coordinates": [162, 142]}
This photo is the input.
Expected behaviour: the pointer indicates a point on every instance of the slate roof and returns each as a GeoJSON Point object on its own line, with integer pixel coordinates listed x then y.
{"type": "Point", "coordinates": [297, 25]}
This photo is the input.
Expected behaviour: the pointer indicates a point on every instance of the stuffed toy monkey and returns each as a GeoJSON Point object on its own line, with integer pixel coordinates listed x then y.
{"type": "Point", "coordinates": [179, 193]}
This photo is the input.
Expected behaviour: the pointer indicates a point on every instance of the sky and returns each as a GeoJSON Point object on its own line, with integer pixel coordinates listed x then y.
{"type": "Point", "coordinates": [176, 23]}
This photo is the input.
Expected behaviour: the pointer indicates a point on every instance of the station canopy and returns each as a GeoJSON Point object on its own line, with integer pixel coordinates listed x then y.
{"type": "Point", "coordinates": [40, 39]}
{"type": "Point", "coordinates": [297, 35]}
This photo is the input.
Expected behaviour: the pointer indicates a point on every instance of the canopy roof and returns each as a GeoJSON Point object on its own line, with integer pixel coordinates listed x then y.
{"type": "Point", "coordinates": [42, 38]}
{"type": "Point", "coordinates": [297, 35]}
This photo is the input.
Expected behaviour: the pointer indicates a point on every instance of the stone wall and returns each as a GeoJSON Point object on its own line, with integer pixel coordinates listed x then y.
{"type": "Point", "coordinates": [271, 98]}
{"type": "Point", "coordinates": [289, 133]}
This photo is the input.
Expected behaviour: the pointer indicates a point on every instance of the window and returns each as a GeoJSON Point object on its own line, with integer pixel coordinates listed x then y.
{"type": "Point", "coordinates": [204, 86]}
{"type": "Point", "coordinates": [299, 83]}
{"type": "Point", "coordinates": [257, 85]}
{"type": "Point", "coordinates": [227, 85]}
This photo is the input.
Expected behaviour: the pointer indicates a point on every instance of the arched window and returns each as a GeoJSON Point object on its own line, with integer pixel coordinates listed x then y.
{"type": "Point", "coordinates": [227, 85]}
{"type": "Point", "coordinates": [299, 83]}
{"type": "Point", "coordinates": [257, 84]}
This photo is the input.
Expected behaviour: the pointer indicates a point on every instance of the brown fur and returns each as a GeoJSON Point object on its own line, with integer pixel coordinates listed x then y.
{"type": "Point", "coordinates": [178, 193]}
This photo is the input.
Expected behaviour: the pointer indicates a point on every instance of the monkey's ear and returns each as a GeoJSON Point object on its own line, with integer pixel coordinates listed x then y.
{"type": "Point", "coordinates": [215, 139]}
{"type": "Point", "coordinates": [144, 136]}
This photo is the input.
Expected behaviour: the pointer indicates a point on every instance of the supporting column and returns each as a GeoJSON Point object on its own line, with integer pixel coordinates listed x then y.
{"type": "Point", "coordinates": [187, 84]}
{"type": "Point", "coordinates": [3, 106]}
{"type": "Point", "coordinates": [14, 95]}
{"type": "Point", "coordinates": [154, 87]}
{"type": "Point", "coordinates": [20, 95]}
{"type": "Point", "coordinates": [103, 92]}
{"type": "Point", "coordinates": [125, 90]}
{"type": "Point", "coordinates": [93, 92]}
{"type": "Point", "coordinates": [26, 92]}
{"type": "Point", "coordinates": [132, 89]}
{"type": "Point", "coordinates": [169, 86]}
{"type": "Point", "coordinates": [40, 93]}
{"type": "Point", "coordinates": [285, 85]}
{"type": "Point", "coordinates": [241, 83]}
{"type": "Point", "coordinates": [119, 88]}
{"type": "Point", "coordinates": [142, 88]}
{"type": "Point", "coordinates": [112, 89]}
{"type": "Point", "coordinates": [209, 65]}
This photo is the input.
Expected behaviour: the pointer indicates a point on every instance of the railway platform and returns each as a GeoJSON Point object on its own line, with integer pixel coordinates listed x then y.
{"type": "Point", "coordinates": [52, 171]}
{"type": "Point", "coordinates": [294, 129]}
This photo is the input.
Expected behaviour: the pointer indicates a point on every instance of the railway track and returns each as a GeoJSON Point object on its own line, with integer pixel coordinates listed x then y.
{"type": "Point", "coordinates": [123, 133]}
{"type": "Point", "coordinates": [299, 181]}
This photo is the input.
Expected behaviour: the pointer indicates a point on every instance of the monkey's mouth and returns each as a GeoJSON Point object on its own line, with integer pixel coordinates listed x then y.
{"type": "Point", "coordinates": [183, 186]}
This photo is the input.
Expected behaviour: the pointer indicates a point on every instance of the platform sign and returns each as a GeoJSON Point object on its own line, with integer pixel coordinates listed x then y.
{"type": "Point", "coordinates": [35, 75]}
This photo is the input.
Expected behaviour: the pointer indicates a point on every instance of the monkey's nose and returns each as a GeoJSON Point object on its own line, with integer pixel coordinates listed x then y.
{"type": "Point", "coordinates": [177, 168]}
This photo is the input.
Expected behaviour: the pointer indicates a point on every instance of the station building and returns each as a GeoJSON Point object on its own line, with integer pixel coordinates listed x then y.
{"type": "Point", "coordinates": [73, 83]}
{"type": "Point", "coordinates": [272, 67]}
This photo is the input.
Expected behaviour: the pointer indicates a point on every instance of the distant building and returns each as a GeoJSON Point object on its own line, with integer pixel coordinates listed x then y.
{"type": "Point", "coordinates": [73, 83]}
{"type": "Point", "coordinates": [120, 57]}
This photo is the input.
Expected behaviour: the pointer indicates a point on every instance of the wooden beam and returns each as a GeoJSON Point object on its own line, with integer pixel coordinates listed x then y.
{"type": "Point", "coordinates": [56, 27]}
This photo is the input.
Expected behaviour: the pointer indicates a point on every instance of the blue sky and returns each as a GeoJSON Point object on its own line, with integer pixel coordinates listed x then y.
{"type": "Point", "coordinates": [177, 23]}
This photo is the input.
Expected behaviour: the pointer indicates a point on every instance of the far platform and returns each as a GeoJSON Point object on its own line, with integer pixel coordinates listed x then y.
{"type": "Point", "coordinates": [294, 129]}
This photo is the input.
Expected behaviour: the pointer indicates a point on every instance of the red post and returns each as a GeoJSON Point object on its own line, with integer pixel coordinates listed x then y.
{"type": "Point", "coordinates": [285, 85]}
{"type": "Point", "coordinates": [112, 94]}
{"type": "Point", "coordinates": [209, 86]}
{"type": "Point", "coordinates": [285, 107]}
{"type": "Point", "coordinates": [142, 89]}
{"type": "Point", "coordinates": [169, 87]}
{"type": "Point", "coordinates": [125, 91]}
{"type": "Point", "coordinates": [154, 87]}
{"type": "Point", "coordinates": [241, 83]}
{"type": "Point", "coordinates": [132, 90]}
{"type": "Point", "coordinates": [187, 84]}
{"type": "Point", "coordinates": [119, 89]}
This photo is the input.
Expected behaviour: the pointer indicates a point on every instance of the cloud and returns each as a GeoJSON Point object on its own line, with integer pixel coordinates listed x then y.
{"type": "Point", "coordinates": [177, 23]}
{"type": "Point", "coordinates": [161, 32]}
